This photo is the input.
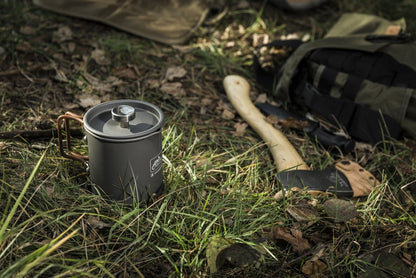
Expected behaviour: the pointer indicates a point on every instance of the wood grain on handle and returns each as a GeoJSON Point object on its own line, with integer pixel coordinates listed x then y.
{"type": "Point", "coordinates": [284, 154]}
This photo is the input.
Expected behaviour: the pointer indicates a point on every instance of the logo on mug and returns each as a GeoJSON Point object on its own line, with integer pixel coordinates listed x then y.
{"type": "Point", "coordinates": [155, 164]}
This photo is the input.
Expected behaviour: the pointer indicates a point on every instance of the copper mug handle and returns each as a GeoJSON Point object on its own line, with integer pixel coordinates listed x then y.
{"type": "Point", "coordinates": [70, 154]}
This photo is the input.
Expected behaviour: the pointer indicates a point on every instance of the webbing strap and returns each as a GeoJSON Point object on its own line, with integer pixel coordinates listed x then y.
{"type": "Point", "coordinates": [361, 123]}
{"type": "Point", "coordinates": [351, 87]}
{"type": "Point", "coordinates": [327, 80]}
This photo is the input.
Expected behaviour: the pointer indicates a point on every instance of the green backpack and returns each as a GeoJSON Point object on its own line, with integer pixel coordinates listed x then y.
{"type": "Point", "coordinates": [361, 75]}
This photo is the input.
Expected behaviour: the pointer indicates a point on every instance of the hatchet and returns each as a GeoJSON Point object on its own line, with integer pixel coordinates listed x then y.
{"type": "Point", "coordinates": [347, 178]}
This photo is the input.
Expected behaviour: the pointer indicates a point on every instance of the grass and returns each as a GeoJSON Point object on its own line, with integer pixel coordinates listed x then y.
{"type": "Point", "coordinates": [217, 184]}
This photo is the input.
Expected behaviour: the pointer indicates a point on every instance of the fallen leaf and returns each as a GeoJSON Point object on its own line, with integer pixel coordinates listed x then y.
{"type": "Point", "coordinates": [175, 72]}
{"type": "Point", "coordinates": [2, 50]}
{"type": "Point", "coordinates": [124, 72]}
{"type": "Point", "coordinates": [272, 119]}
{"type": "Point", "coordinates": [27, 30]}
{"type": "Point", "coordinates": [174, 89]}
{"type": "Point", "coordinates": [240, 128]}
{"type": "Point", "coordinates": [24, 46]}
{"type": "Point", "coordinates": [100, 85]}
{"type": "Point", "coordinates": [292, 236]}
{"type": "Point", "coordinates": [262, 98]}
{"type": "Point", "coordinates": [88, 100]}
{"type": "Point", "coordinates": [184, 48]}
{"type": "Point", "coordinates": [60, 76]}
{"type": "Point", "coordinates": [221, 251]}
{"type": "Point", "coordinates": [99, 57]}
{"type": "Point", "coordinates": [64, 33]}
{"type": "Point", "coordinates": [227, 114]}
{"type": "Point", "coordinates": [239, 254]}
{"type": "Point", "coordinates": [304, 213]}
{"type": "Point", "coordinates": [96, 223]}
{"type": "Point", "coordinates": [314, 268]}
{"type": "Point", "coordinates": [294, 123]}
{"type": "Point", "coordinates": [3, 146]}
{"type": "Point", "coordinates": [383, 264]}
{"type": "Point", "coordinates": [151, 83]}
{"type": "Point", "coordinates": [340, 210]}
{"type": "Point", "coordinates": [70, 105]}
{"type": "Point", "coordinates": [214, 247]}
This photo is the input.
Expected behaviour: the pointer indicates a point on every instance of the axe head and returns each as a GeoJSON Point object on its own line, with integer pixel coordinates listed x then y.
{"type": "Point", "coordinates": [346, 179]}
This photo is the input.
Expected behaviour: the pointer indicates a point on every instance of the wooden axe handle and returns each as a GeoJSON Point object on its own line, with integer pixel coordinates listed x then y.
{"type": "Point", "coordinates": [284, 154]}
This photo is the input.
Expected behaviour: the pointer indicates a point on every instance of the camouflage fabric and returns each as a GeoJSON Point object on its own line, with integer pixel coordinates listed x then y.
{"type": "Point", "coordinates": [369, 36]}
{"type": "Point", "coordinates": [166, 21]}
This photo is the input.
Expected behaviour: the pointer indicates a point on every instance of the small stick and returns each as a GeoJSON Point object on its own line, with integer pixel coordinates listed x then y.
{"type": "Point", "coordinates": [37, 134]}
{"type": "Point", "coordinates": [18, 70]}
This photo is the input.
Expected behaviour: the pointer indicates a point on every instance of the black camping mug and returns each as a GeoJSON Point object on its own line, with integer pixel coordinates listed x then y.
{"type": "Point", "coordinates": [124, 147]}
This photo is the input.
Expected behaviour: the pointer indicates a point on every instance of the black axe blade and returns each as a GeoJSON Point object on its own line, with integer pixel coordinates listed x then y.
{"type": "Point", "coordinates": [328, 180]}
{"type": "Point", "coordinates": [346, 179]}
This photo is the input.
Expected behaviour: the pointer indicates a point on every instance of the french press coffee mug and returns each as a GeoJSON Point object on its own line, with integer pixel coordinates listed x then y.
{"type": "Point", "coordinates": [124, 147]}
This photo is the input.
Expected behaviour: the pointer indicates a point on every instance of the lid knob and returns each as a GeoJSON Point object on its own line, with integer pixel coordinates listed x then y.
{"type": "Point", "coordinates": [123, 114]}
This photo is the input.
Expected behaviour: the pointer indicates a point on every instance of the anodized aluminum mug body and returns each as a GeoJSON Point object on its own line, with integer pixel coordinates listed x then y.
{"type": "Point", "coordinates": [129, 170]}
{"type": "Point", "coordinates": [125, 162]}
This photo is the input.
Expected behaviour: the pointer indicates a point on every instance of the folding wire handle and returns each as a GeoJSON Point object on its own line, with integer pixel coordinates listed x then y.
{"type": "Point", "coordinates": [69, 154]}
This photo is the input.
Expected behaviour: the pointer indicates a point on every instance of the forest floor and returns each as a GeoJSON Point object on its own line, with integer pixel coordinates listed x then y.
{"type": "Point", "coordinates": [218, 214]}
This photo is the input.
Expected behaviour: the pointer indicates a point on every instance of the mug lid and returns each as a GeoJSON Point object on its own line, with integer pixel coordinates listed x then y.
{"type": "Point", "coordinates": [123, 119]}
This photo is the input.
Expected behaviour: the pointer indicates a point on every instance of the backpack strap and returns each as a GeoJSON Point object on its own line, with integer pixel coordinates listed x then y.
{"type": "Point", "coordinates": [361, 122]}
{"type": "Point", "coordinates": [290, 68]}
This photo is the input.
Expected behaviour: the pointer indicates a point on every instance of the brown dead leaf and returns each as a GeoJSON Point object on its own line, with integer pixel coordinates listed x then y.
{"type": "Point", "coordinates": [27, 30]}
{"type": "Point", "coordinates": [340, 210]}
{"type": "Point", "coordinates": [64, 33]}
{"type": "Point", "coordinates": [292, 236]}
{"type": "Point", "coordinates": [227, 114]}
{"type": "Point", "coordinates": [206, 101]}
{"type": "Point", "coordinates": [3, 146]}
{"type": "Point", "coordinates": [151, 83]}
{"type": "Point", "coordinates": [88, 100]}
{"type": "Point", "coordinates": [221, 251]}
{"type": "Point", "coordinates": [293, 123]}
{"type": "Point", "coordinates": [60, 76]}
{"type": "Point", "coordinates": [96, 223]}
{"type": "Point", "coordinates": [314, 268]}
{"type": "Point", "coordinates": [124, 72]}
{"type": "Point", "coordinates": [304, 213]}
{"type": "Point", "coordinates": [240, 128]}
{"type": "Point", "coordinates": [99, 85]}
{"type": "Point", "coordinates": [99, 57]}
{"type": "Point", "coordinates": [262, 98]}
{"type": "Point", "coordinates": [24, 46]}
{"type": "Point", "coordinates": [273, 120]}
{"type": "Point", "coordinates": [175, 72]}
{"type": "Point", "coordinates": [174, 89]}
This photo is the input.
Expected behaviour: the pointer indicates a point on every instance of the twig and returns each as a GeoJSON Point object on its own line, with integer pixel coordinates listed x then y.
{"type": "Point", "coordinates": [19, 70]}
{"type": "Point", "coordinates": [37, 134]}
